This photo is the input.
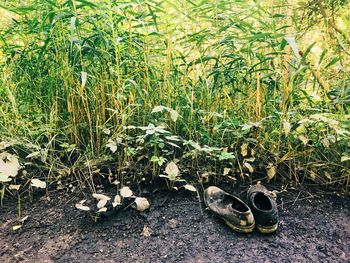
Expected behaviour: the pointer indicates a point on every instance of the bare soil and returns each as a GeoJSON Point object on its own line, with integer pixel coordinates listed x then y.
{"type": "Point", "coordinates": [314, 227]}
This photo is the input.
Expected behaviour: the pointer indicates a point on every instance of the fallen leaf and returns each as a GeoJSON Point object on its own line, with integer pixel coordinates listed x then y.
{"type": "Point", "coordinates": [313, 175]}
{"type": "Point", "coordinates": [344, 158]}
{"type": "Point", "coordinates": [172, 170]}
{"type": "Point", "coordinates": [101, 197]}
{"type": "Point", "coordinates": [24, 219]}
{"type": "Point", "coordinates": [271, 172]}
{"type": "Point", "coordinates": [14, 186]}
{"type": "Point", "coordinates": [325, 142]}
{"type": "Point", "coordinates": [174, 115]}
{"type": "Point", "coordinates": [38, 183]}
{"type": "Point", "coordinates": [83, 79]}
{"type": "Point", "coordinates": [9, 164]}
{"type": "Point", "coordinates": [244, 149]}
{"type": "Point", "coordinates": [190, 188]}
{"type": "Point", "coordinates": [226, 171]}
{"type": "Point", "coordinates": [142, 204]}
{"type": "Point", "coordinates": [146, 231]}
{"type": "Point", "coordinates": [249, 167]}
{"type": "Point", "coordinates": [82, 207]}
{"type": "Point", "coordinates": [287, 127]}
{"type": "Point", "coordinates": [102, 210]}
{"type": "Point", "coordinates": [117, 200]}
{"type": "Point", "coordinates": [112, 145]}
{"type": "Point", "coordinates": [125, 192]}
{"type": "Point", "coordinates": [303, 139]}
{"type": "Point", "coordinates": [14, 228]}
{"type": "Point", "coordinates": [102, 203]}
{"type": "Point", "coordinates": [4, 145]}
{"type": "Point", "coordinates": [106, 131]}
{"type": "Point", "coordinates": [328, 176]}
{"type": "Point", "coordinates": [33, 154]}
{"type": "Point", "coordinates": [4, 178]}
{"type": "Point", "coordinates": [158, 109]}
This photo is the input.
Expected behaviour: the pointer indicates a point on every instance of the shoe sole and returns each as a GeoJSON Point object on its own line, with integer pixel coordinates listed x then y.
{"type": "Point", "coordinates": [247, 229]}
{"type": "Point", "coordinates": [267, 229]}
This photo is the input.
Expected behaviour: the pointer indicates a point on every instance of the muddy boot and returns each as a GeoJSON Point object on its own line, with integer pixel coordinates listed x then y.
{"type": "Point", "coordinates": [264, 208]}
{"type": "Point", "coordinates": [231, 209]}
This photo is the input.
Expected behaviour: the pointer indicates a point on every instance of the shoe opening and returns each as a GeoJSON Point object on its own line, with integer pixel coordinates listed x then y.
{"type": "Point", "coordinates": [262, 202]}
{"type": "Point", "coordinates": [235, 203]}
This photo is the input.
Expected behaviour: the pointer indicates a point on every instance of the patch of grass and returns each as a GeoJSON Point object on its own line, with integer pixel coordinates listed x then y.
{"type": "Point", "coordinates": [226, 88]}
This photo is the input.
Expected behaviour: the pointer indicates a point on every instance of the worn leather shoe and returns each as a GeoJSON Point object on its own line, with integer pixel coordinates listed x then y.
{"type": "Point", "coordinates": [264, 208]}
{"type": "Point", "coordinates": [230, 208]}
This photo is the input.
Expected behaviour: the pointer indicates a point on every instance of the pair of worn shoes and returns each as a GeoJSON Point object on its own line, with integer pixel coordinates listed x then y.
{"type": "Point", "coordinates": [260, 212]}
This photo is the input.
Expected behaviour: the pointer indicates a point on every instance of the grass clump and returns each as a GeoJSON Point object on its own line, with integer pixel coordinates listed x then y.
{"type": "Point", "coordinates": [224, 88]}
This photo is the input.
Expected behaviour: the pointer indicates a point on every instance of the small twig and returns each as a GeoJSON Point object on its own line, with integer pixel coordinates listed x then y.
{"type": "Point", "coordinates": [304, 198]}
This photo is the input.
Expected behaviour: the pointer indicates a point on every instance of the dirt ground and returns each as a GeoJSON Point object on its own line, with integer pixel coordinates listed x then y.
{"type": "Point", "coordinates": [314, 227]}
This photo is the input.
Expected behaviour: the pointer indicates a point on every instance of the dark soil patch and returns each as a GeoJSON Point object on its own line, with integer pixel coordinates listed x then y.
{"type": "Point", "coordinates": [314, 227]}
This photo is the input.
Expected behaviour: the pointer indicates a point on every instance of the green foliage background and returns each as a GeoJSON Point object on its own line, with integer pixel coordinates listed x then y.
{"type": "Point", "coordinates": [253, 86]}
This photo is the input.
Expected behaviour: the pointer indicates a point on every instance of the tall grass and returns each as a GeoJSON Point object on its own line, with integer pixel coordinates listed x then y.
{"type": "Point", "coordinates": [80, 72]}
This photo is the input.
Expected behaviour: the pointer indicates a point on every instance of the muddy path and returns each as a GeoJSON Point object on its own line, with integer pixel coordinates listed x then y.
{"type": "Point", "coordinates": [314, 227]}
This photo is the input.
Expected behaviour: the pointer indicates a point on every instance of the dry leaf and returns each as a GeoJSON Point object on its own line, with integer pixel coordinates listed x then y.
{"type": "Point", "coordinates": [14, 228]}
{"type": "Point", "coordinates": [313, 175]}
{"type": "Point", "coordinates": [24, 219]}
{"type": "Point", "coordinates": [344, 158]}
{"type": "Point", "coordinates": [303, 139]}
{"type": "Point", "coordinates": [190, 188]}
{"type": "Point", "coordinates": [158, 109]}
{"type": "Point", "coordinates": [101, 197]}
{"type": "Point", "coordinates": [226, 171]}
{"type": "Point", "coordinates": [325, 142]}
{"type": "Point", "coordinates": [9, 164]}
{"type": "Point", "coordinates": [271, 172]}
{"type": "Point", "coordinates": [38, 183]}
{"type": "Point", "coordinates": [125, 192]}
{"type": "Point", "coordinates": [117, 200]}
{"type": "Point", "coordinates": [82, 207]}
{"type": "Point", "coordinates": [14, 186]}
{"type": "Point", "coordinates": [83, 79]}
{"type": "Point", "coordinates": [146, 231]}
{"type": "Point", "coordinates": [249, 167]}
{"type": "Point", "coordinates": [141, 204]}
{"type": "Point", "coordinates": [101, 203]}
{"type": "Point", "coordinates": [33, 154]}
{"type": "Point", "coordinates": [112, 145]}
{"type": "Point", "coordinates": [328, 176]}
{"type": "Point", "coordinates": [287, 127]}
{"type": "Point", "coordinates": [172, 169]}
{"type": "Point", "coordinates": [101, 210]}
{"type": "Point", "coordinates": [244, 149]}
{"type": "Point", "coordinates": [4, 178]}
{"type": "Point", "coordinates": [174, 115]}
